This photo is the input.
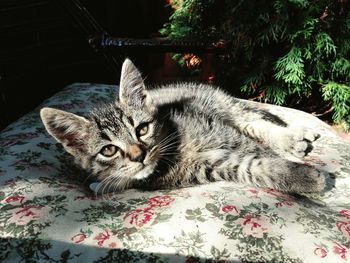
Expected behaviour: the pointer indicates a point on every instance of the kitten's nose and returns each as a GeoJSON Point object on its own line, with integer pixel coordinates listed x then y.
{"type": "Point", "coordinates": [136, 153]}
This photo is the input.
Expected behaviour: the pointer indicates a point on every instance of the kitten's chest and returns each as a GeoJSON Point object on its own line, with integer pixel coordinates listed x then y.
{"type": "Point", "coordinates": [204, 139]}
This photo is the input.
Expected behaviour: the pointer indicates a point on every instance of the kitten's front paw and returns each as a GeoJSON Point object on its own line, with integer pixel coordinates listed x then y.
{"type": "Point", "coordinates": [299, 142]}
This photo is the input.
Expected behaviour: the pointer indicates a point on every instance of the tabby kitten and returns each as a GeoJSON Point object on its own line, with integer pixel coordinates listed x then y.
{"type": "Point", "coordinates": [181, 135]}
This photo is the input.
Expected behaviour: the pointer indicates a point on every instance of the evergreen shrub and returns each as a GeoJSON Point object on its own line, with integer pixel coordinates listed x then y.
{"type": "Point", "coordinates": [287, 52]}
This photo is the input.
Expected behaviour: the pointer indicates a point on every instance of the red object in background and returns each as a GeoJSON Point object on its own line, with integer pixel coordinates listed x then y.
{"type": "Point", "coordinates": [168, 70]}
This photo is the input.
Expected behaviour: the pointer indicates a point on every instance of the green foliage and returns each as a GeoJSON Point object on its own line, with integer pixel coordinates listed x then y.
{"type": "Point", "coordinates": [279, 50]}
{"type": "Point", "coordinates": [339, 95]}
{"type": "Point", "coordinates": [275, 95]}
{"type": "Point", "coordinates": [290, 69]}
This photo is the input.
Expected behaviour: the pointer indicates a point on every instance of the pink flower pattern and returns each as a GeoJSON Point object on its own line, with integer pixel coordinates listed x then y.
{"type": "Point", "coordinates": [321, 252]}
{"type": "Point", "coordinates": [23, 215]}
{"type": "Point", "coordinates": [255, 226]}
{"type": "Point", "coordinates": [160, 201]}
{"type": "Point", "coordinates": [345, 213]}
{"type": "Point", "coordinates": [231, 209]}
{"type": "Point", "coordinates": [340, 250]}
{"type": "Point", "coordinates": [102, 237]}
{"type": "Point", "coordinates": [142, 216]}
{"type": "Point", "coordinates": [344, 227]}
{"type": "Point", "coordinates": [79, 238]}
{"type": "Point", "coordinates": [139, 217]}
{"type": "Point", "coordinates": [15, 200]}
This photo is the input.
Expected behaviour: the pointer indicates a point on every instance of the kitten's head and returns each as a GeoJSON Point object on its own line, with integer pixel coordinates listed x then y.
{"type": "Point", "coordinates": [119, 142]}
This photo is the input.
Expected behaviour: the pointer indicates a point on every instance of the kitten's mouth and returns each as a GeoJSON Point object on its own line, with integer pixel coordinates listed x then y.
{"type": "Point", "coordinates": [147, 166]}
{"type": "Point", "coordinates": [144, 173]}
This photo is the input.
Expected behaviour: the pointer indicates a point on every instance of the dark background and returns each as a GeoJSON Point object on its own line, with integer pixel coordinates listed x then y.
{"type": "Point", "coordinates": [42, 50]}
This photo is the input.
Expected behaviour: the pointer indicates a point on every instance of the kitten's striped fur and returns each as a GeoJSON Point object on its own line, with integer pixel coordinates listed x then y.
{"type": "Point", "coordinates": [180, 135]}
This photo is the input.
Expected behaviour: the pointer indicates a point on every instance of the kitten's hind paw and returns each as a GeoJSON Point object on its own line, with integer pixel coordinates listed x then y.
{"type": "Point", "coordinates": [300, 142]}
{"type": "Point", "coordinates": [309, 180]}
{"type": "Point", "coordinates": [320, 181]}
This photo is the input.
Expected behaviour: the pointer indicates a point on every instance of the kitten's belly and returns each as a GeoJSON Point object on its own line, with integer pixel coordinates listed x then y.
{"type": "Point", "coordinates": [205, 143]}
{"type": "Point", "coordinates": [202, 133]}
{"type": "Point", "coordinates": [208, 141]}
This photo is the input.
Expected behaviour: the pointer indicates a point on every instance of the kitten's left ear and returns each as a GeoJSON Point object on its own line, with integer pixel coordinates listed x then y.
{"type": "Point", "coordinates": [71, 130]}
{"type": "Point", "coordinates": [132, 91]}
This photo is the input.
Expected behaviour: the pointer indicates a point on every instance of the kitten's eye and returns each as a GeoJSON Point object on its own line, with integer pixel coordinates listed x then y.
{"type": "Point", "coordinates": [109, 150]}
{"type": "Point", "coordinates": [142, 129]}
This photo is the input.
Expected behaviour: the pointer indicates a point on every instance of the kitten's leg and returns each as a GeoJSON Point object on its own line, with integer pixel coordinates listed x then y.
{"type": "Point", "coordinates": [257, 123]}
{"type": "Point", "coordinates": [297, 141]}
{"type": "Point", "coordinates": [272, 172]}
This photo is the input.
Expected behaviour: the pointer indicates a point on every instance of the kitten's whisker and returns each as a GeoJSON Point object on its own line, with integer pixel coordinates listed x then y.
{"type": "Point", "coordinates": [170, 149]}
{"type": "Point", "coordinates": [159, 126]}
{"type": "Point", "coordinates": [107, 184]}
{"type": "Point", "coordinates": [109, 181]}
{"type": "Point", "coordinates": [123, 182]}
{"type": "Point", "coordinates": [169, 146]}
{"type": "Point", "coordinates": [169, 137]}
{"type": "Point", "coordinates": [166, 143]}
{"type": "Point", "coordinates": [168, 161]}
{"type": "Point", "coordinates": [168, 154]}
{"type": "Point", "coordinates": [165, 116]}
{"type": "Point", "coordinates": [102, 185]}
{"type": "Point", "coordinates": [169, 164]}
{"type": "Point", "coordinates": [170, 142]}
{"type": "Point", "coordinates": [88, 177]}
{"type": "Point", "coordinates": [117, 185]}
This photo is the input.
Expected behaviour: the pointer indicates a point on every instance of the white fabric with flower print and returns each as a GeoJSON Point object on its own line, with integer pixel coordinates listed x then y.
{"type": "Point", "coordinates": [48, 216]}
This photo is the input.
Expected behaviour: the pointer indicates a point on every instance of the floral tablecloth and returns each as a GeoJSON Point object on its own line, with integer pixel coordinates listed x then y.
{"type": "Point", "coordinates": [47, 215]}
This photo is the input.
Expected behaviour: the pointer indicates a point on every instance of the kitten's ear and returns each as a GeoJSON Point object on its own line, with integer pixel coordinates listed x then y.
{"type": "Point", "coordinates": [132, 91]}
{"type": "Point", "coordinates": [67, 128]}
